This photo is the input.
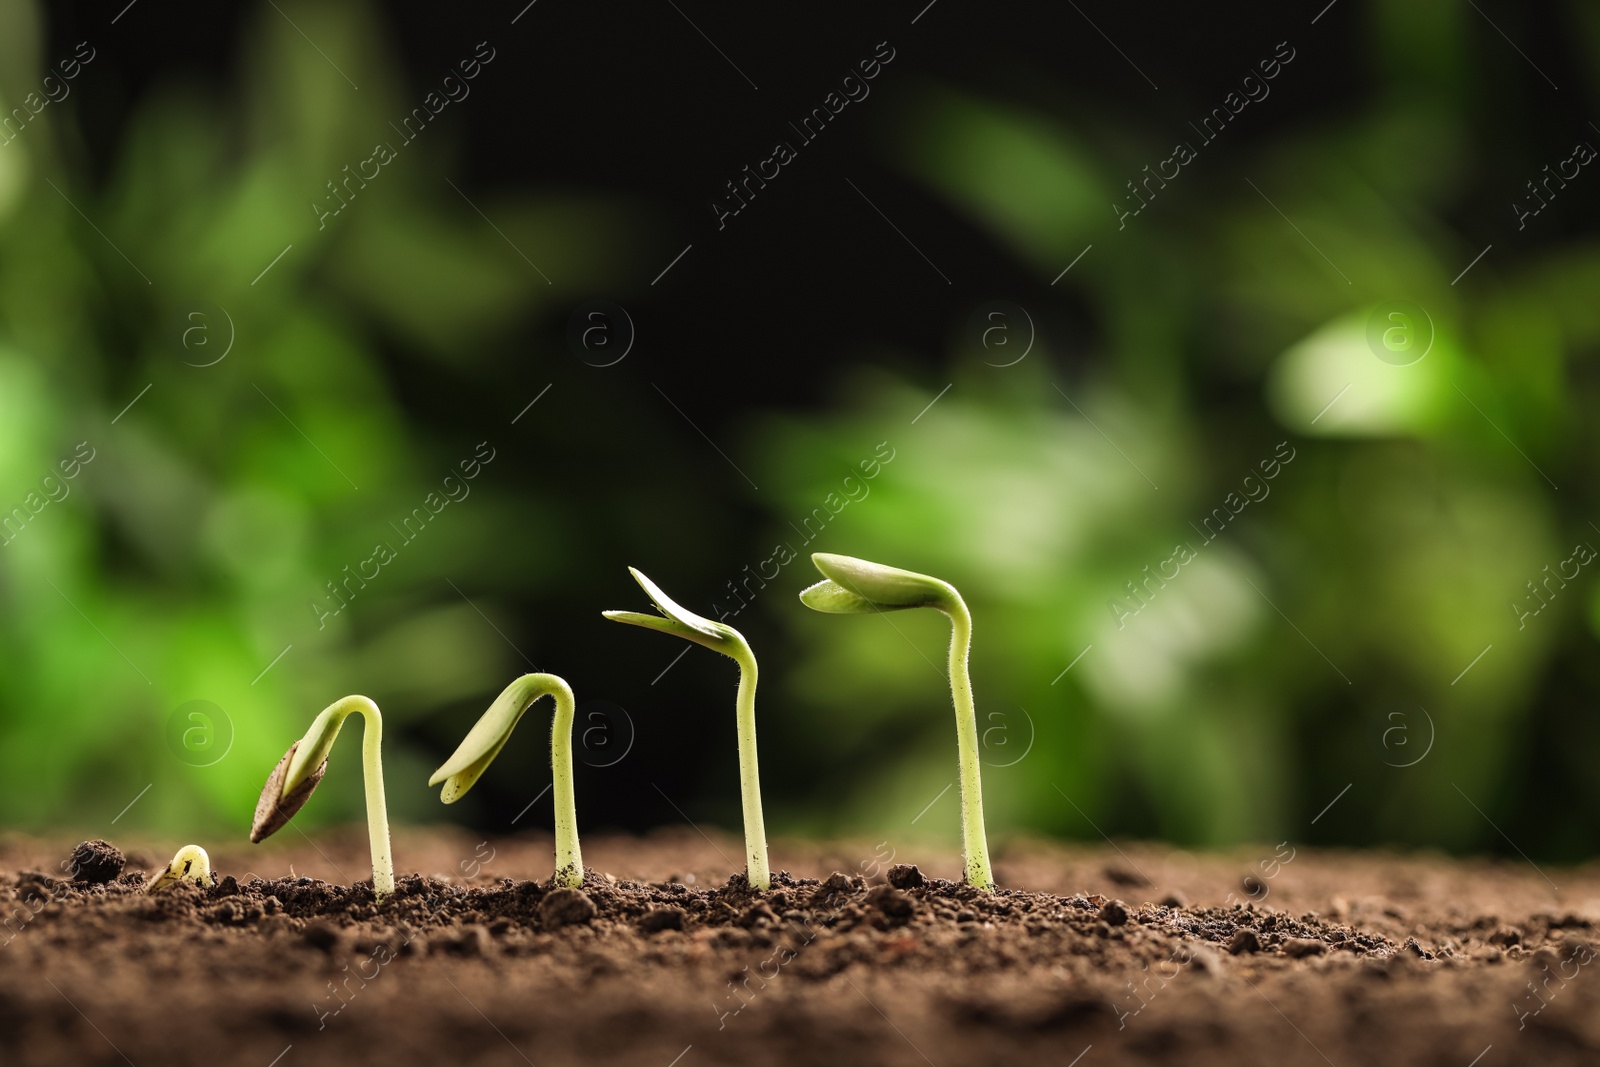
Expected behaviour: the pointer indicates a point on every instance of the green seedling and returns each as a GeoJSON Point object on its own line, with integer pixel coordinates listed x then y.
{"type": "Point", "coordinates": [489, 735]}
{"type": "Point", "coordinates": [853, 586]}
{"type": "Point", "coordinates": [302, 767]}
{"type": "Point", "coordinates": [725, 639]}
{"type": "Point", "coordinates": [190, 864]}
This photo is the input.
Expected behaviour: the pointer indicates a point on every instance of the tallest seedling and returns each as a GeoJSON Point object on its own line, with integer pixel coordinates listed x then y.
{"type": "Point", "coordinates": [856, 587]}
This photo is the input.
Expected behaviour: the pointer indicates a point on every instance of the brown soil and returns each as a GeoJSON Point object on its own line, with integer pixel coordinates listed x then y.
{"type": "Point", "coordinates": [1134, 955]}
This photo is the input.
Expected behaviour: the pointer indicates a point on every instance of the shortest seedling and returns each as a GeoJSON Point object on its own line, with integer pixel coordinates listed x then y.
{"type": "Point", "coordinates": [852, 586]}
{"type": "Point", "coordinates": [191, 864]}
{"type": "Point", "coordinates": [302, 767]}
{"type": "Point", "coordinates": [489, 735]}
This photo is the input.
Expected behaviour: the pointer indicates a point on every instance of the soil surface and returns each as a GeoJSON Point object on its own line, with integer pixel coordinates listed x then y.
{"type": "Point", "coordinates": [1137, 954]}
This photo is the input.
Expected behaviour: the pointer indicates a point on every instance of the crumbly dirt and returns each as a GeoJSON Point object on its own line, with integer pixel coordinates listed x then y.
{"type": "Point", "coordinates": [1088, 956]}
{"type": "Point", "coordinates": [94, 861]}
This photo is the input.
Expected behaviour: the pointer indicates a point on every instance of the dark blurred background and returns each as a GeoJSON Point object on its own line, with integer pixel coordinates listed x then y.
{"type": "Point", "coordinates": [1272, 500]}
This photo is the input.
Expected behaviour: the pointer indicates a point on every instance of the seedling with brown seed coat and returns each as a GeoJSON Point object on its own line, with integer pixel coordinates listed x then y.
{"type": "Point", "coordinates": [302, 767]}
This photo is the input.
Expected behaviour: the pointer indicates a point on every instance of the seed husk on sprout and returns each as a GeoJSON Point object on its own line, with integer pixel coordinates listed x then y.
{"type": "Point", "coordinates": [297, 774]}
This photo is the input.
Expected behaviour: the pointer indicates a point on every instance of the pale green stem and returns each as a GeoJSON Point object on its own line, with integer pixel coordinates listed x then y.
{"type": "Point", "coordinates": [755, 833]}
{"type": "Point", "coordinates": [377, 805]}
{"type": "Point", "coordinates": [975, 845]}
{"type": "Point", "coordinates": [569, 857]}
{"type": "Point", "coordinates": [324, 730]}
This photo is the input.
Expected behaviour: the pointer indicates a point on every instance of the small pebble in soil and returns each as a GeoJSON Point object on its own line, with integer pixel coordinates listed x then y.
{"type": "Point", "coordinates": [658, 919]}
{"type": "Point", "coordinates": [1244, 940]}
{"type": "Point", "coordinates": [1114, 913]}
{"type": "Point", "coordinates": [565, 907]}
{"type": "Point", "coordinates": [96, 862]}
{"type": "Point", "coordinates": [905, 876]}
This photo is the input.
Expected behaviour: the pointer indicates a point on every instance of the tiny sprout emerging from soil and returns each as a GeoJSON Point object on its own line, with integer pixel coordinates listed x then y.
{"type": "Point", "coordinates": [677, 620]}
{"type": "Point", "coordinates": [856, 587]}
{"type": "Point", "coordinates": [489, 735]}
{"type": "Point", "coordinates": [190, 864]}
{"type": "Point", "coordinates": [302, 767]}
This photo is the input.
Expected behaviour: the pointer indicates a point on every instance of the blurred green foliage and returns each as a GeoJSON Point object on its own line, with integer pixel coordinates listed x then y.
{"type": "Point", "coordinates": [1323, 639]}
{"type": "Point", "coordinates": [1264, 677]}
{"type": "Point", "coordinates": [182, 560]}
